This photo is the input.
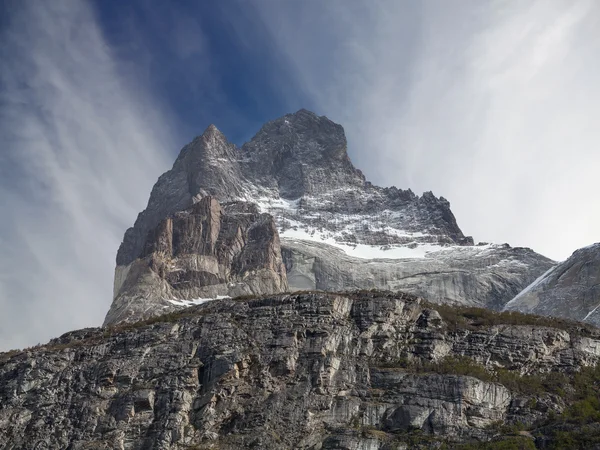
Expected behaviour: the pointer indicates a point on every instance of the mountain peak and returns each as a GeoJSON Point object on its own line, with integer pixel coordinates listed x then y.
{"type": "Point", "coordinates": [328, 219]}
{"type": "Point", "coordinates": [302, 134]}
{"type": "Point", "coordinates": [298, 155]}
{"type": "Point", "coordinates": [211, 129]}
{"type": "Point", "coordinates": [304, 114]}
{"type": "Point", "coordinates": [212, 134]}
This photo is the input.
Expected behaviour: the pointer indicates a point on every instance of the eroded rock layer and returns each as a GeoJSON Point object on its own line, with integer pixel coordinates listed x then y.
{"type": "Point", "coordinates": [306, 371]}
{"type": "Point", "coordinates": [203, 252]}
{"type": "Point", "coordinates": [338, 230]}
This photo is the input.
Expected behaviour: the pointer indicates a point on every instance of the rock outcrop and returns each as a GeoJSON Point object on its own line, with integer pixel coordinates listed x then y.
{"type": "Point", "coordinates": [482, 276]}
{"type": "Point", "coordinates": [364, 370]}
{"type": "Point", "coordinates": [203, 252]}
{"type": "Point", "coordinates": [570, 290]}
{"type": "Point", "coordinates": [337, 230]}
{"type": "Point", "coordinates": [298, 167]}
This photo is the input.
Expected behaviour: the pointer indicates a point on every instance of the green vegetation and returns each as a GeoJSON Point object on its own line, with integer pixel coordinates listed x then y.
{"type": "Point", "coordinates": [419, 440]}
{"type": "Point", "coordinates": [469, 318]}
{"type": "Point", "coordinates": [505, 443]}
{"type": "Point", "coordinates": [578, 427]}
{"type": "Point", "coordinates": [553, 382]}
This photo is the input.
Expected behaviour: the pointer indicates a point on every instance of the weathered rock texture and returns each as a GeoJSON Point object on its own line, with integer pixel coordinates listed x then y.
{"type": "Point", "coordinates": [483, 276]}
{"type": "Point", "coordinates": [297, 169]}
{"type": "Point", "coordinates": [205, 251]}
{"type": "Point", "coordinates": [295, 165]}
{"type": "Point", "coordinates": [306, 371]}
{"type": "Point", "coordinates": [570, 290]}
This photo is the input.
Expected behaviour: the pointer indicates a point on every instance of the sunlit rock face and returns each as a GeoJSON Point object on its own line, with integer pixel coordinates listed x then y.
{"type": "Point", "coordinates": [481, 276]}
{"type": "Point", "coordinates": [296, 168]}
{"type": "Point", "coordinates": [571, 289]}
{"type": "Point", "coordinates": [337, 230]}
{"type": "Point", "coordinates": [301, 371]}
{"type": "Point", "coordinates": [203, 252]}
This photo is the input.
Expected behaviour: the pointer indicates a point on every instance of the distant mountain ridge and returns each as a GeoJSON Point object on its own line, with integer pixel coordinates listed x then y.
{"type": "Point", "coordinates": [337, 230]}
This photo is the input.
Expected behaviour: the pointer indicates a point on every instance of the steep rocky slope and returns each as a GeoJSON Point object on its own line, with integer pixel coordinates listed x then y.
{"type": "Point", "coordinates": [571, 289]}
{"type": "Point", "coordinates": [363, 370]}
{"type": "Point", "coordinates": [296, 167]}
{"type": "Point", "coordinates": [337, 230]}
{"type": "Point", "coordinates": [205, 251]}
{"type": "Point", "coordinates": [483, 276]}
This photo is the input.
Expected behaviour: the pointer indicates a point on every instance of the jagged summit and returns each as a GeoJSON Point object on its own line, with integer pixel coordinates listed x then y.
{"type": "Point", "coordinates": [212, 136]}
{"type": "Point", "coordinates": [302, 158]}
{"type": "Point", "coordinates": [211, 129]}
{"type": "Point", "coordinates": [326, 138]}
{"type": "Point", "coordinates": [337, 230]}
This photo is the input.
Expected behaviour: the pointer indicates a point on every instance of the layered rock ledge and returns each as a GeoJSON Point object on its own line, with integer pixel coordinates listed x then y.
{"type": "Point", "coordinates": [203, 252]}
{"type": "Point", "coordinates": [362, 370]}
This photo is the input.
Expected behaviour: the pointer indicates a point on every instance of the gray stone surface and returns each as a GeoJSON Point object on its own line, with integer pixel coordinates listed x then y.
{"type": "Point", "coordinates": [484, 276]}
{"type": "Point", "coordinates": [571, 289]}
{"type": "Point", "coordinates": [205, 251]}
{"type": "Point", "coordinates": [297, 169]}
{"type": "Point", "coordinates": [304, 371]}
{"type": "Point", "coordinates": [300, 158]}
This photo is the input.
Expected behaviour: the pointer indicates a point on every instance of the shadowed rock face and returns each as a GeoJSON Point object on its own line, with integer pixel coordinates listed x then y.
{"type": "Point", "coordinates": [307, 371]}
{"type": "Point", "coordinates": [205, 251]}
{"type": "Point", "coordinates": [570, 290]}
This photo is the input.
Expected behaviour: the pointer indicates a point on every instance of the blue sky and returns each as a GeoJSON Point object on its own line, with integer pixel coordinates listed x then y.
{"type": "Point", "coordinates": [201, 64]}
{"type": "Point", "coordinates": [492, 104]}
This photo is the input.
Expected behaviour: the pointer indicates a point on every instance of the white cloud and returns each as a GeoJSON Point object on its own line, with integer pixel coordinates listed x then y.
{"type": "Point", "coordinates": [493, 105]}
{"type": "Point", "coordinates": [82, 153]}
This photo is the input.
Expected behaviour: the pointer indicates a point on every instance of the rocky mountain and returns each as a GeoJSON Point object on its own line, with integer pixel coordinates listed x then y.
{"type": "Point", "coordinates": [337, 230]}
{"type": "Point", "coordinates": [570, 289]}
{"type": "Point", "coordinates": [349, 369]}
{"type": "Point", "coordinates": [205, 251]}
{"type": "Point", "coordinates": [296, 167]}
{"type": "Point", "coordinates": [362, 370]}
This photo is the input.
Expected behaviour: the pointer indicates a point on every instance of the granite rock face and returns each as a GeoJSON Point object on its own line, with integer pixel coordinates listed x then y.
{"type": "Point", "coordinates": [337, 230]}
{"type": "Point", "coordinates": [305, 371]}
{"type": "Point", "coordinates": [482, 276]}
{"type": "Point", "coordinates": [298, 167]}
{"type": "Point", "coordinates": [205, 251]}
{"type": "Point", "coordinates": [570, 290]}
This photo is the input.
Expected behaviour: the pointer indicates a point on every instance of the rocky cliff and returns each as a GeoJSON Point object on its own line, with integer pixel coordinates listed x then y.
{"type": "Point", "coordinates": [337, 230]}
{"type": "Point", "coordinates": [363, 370]}
{"type": "Point", "coordinates": [571, 289]}
{"type": "Point", "coordinates": [203, 252]}
{"type": "Point", "coordinates": [483, 276]}
{"type": "Point", "coordinates": [297, 167]}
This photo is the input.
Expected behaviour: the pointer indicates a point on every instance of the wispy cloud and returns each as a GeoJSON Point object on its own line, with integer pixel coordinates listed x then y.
{"type": "Point", "coordinates": [82, 150]}
{"type": "Point", "coordinates": [491, 104]}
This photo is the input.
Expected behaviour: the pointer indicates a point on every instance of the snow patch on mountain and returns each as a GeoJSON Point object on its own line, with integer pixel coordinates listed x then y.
{"type": "Point", "coordinates": [543, 278]}
{"type": "Point", "coordinates": [195, 301]}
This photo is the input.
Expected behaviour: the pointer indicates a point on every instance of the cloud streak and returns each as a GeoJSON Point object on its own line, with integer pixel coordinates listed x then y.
{"type": "Point", "coordinates": [82, 151]}
{"type": "Point", "coordinates": [491, 104]}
